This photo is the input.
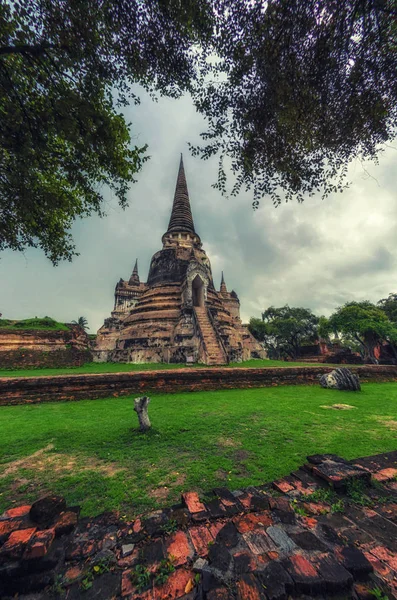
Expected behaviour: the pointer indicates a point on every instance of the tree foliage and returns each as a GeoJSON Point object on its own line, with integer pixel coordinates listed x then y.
{"type": "Point", "coordinates": [300, 90]}
{"type": "Point", "coordinates": [292, 90]}
{"type": "Point", "coordinates": [81, 322]}
{"type": "Point", "coordinates": [66, 68]}
{"type": "Point", "coordinates": [283, 330]}
{"type": "Point", "coordinates": [360, 326]}
{"type": "Point", "coordinates": [364, 323]}
{"type": "Point", "coordinates": [389, 306]}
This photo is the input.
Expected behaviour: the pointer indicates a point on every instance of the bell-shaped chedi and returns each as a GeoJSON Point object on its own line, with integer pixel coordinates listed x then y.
{"type": "Point", "coordinates": [177, 316]}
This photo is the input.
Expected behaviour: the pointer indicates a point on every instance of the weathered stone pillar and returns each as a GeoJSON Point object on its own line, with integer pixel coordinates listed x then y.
{"type": "Point", "coordinates": [140, 408]}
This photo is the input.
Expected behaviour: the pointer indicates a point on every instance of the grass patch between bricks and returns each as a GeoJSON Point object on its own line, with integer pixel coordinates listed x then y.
{"type": "Point", "coordinates": [93, 454]}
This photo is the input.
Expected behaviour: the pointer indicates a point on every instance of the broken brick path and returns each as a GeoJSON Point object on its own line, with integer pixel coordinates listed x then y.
{"type": "Point", "coordinates": [289, 539]}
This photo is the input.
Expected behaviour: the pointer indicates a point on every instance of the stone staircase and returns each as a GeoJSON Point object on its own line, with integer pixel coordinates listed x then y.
{"type": "Point", "coordinates": [215, 353]}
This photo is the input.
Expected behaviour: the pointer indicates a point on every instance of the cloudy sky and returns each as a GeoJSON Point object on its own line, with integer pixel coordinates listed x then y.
{"type": "Point", "coordinates": [319, 254]}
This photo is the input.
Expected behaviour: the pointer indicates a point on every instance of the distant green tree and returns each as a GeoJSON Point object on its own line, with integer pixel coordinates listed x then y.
{"type": "Point", "coordinates": [258, 328]}
{"type": "Point", "coordinates": [364, 323]}
{"type": "Point", "coordinates": [284, 330]}
{"type": "Point", "coordinates": [323, 328]}
{"type": "Point", "coordinates": [389, 306]}
{"type": "Point", "coordinates": [260, 331]}
{"type": "Point", "coordinates": [82, 322]}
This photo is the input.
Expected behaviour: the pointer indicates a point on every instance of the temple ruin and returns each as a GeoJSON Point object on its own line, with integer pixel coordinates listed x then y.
{"type": "Point", "coordinates": [177, 315]}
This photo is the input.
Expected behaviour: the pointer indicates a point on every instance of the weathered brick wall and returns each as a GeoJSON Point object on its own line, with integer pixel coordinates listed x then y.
{"type": "Point", "coordinates": [37, 359]}
{"type": "Point", "coordinates": [75, 387]}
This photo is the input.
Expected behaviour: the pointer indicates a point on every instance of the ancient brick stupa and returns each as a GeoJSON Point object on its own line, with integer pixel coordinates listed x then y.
{"type": "Point", "coordinates": [177, 315]}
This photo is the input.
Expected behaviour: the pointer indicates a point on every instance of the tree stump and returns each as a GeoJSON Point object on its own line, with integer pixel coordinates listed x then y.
{"type": "Point", "coordinates": [140, 408]}
{"type": "Point", "coordinates": [340, 379]}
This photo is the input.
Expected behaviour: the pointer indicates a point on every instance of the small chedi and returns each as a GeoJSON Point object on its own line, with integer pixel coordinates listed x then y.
{"type": "Point", "coordinates": [177, 315]}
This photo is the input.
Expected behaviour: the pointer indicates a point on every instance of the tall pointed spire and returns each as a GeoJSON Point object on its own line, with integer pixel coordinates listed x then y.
{"type": "Point", "coordinates": [181, 215]}
{"type": "Point", "coordinates": [223, 285]}
{"type": "Point", "coordinates": [134, 279]}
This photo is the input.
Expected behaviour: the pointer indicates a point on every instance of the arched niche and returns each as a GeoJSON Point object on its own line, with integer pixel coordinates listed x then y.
{"type": "Point", "coordinates": [198, 291]}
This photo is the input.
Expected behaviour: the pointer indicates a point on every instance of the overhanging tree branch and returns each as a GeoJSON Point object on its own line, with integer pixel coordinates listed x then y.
{"type": "Point", "coordinates": [33, 49]}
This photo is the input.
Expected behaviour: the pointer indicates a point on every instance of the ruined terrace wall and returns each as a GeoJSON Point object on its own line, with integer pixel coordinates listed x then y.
{"type": "Point", "coordinates": [27, 390]}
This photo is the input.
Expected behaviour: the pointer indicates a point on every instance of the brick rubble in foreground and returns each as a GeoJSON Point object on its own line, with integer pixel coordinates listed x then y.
{"type": "Point", "coordinates": [270, 542]}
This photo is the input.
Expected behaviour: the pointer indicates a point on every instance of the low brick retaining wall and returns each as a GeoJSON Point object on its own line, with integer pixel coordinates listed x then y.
{"type": "Point", "coordinates": [36, 359]}
{"type": "Point", "coordinates": [25, 390]}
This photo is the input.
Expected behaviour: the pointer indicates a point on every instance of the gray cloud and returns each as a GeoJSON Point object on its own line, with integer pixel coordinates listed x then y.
{"type": "Point", "coordinates": [319, 254]}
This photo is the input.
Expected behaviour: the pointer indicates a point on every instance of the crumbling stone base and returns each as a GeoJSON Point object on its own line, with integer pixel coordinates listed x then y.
{"type": "Point", "coordinates": [292, 538]}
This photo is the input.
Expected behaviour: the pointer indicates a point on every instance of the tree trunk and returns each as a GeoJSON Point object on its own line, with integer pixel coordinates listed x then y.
{"type": "Point", "coordinates": [394, 350]}
{"type": "Point", "coordinates": [140, 408]}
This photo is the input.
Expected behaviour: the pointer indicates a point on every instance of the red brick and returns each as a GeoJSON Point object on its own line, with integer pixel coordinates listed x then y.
{"type": "Point", "coordinates": [227, 501]}
{"type": "Point", "coordinates": [73, 573]}
{"type": "Point", "coordinates": [19, 511]}
{"type": "Point", "coordinates": [389, 511]}
{"type": "Point", "coordinates": [385, 474]}
{"type": "Point", "coordinates": [253, 521]}
{"type": "Point", "coordinates": [283, 486]}
{"type": "Point", "coordinates": [280, 504]}
{"type": "Point", "coordinates": [216, 527]}
{"type": "Point", "coordinates": [306, 578]}
{"type": "Point", "coordinates": [192, 502]}
{"type": "Point", "coordinates": [137, 526]}
{"type": "Point", "coordinates": [65, 523]}
{"type": "Point", "coordinates": [248, 588]}
{"type": "Point", "coordinates": [245, 500]}
{"type": "Point", "coordinates": [368, 512]}
{"type": "Point", "coordinates": [384, 554]}
{"type": "Point", "coordinates": [310, 522]}
{"type": "Point", "coordinates": [16, 543]}
{"type": "Point", "coordinates": [83, 549]}
{"type": "Point", "coordinates": [302, 566]}
{"type": "Point", "coordinates": [201, 537]}
{"type": "Point", "coordinates": [316, 508]}
{"type": "Point", "coordinates": [378, 566]}
{"type": "Point", "coordinates": [304, 489]}
{"type": "Point", "coordinates": [178, 546]}
{"type": "Point", "coordinates": [175, 586]}
{"type": "Point", "coordinates": [127, 588]}
{"type": "Point", "coordinates": [128, 561]}
{"type": "Point", "coordinates": [39, 544]}
{"type": "Point", "coordinates": [363, 592]}
{"type": "Point", "coordinates": [7, 527]}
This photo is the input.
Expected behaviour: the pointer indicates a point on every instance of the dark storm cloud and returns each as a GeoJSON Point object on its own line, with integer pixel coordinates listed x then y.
{"type": "Point", "coordinates": [319, 254]}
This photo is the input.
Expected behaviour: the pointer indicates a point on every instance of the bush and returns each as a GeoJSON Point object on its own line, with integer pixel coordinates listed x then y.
{"type": "Point", "coordinates": [5, 322]}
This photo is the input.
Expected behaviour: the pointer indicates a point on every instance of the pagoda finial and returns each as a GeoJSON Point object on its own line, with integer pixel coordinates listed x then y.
{"type": "Point", "coordinates": [223, 285]}
{"type": "Point", "coordinates": [134, 279]}
{"type": "Point", "coordinates": [181, 215]}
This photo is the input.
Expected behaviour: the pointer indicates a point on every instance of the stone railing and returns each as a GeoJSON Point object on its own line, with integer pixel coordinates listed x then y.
{"type": "Point", "coordinates": [218, 336]}
{"type": "Point", "coordinates": [202, 349]}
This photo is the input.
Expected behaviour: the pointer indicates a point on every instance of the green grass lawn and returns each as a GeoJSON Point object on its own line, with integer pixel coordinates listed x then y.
{"type": "Point", "coordinates": [123, 367]}
{"type": "Point", "coordinates": [91, 452]}
{"type": "Point", "coordinates": [35, 324]}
